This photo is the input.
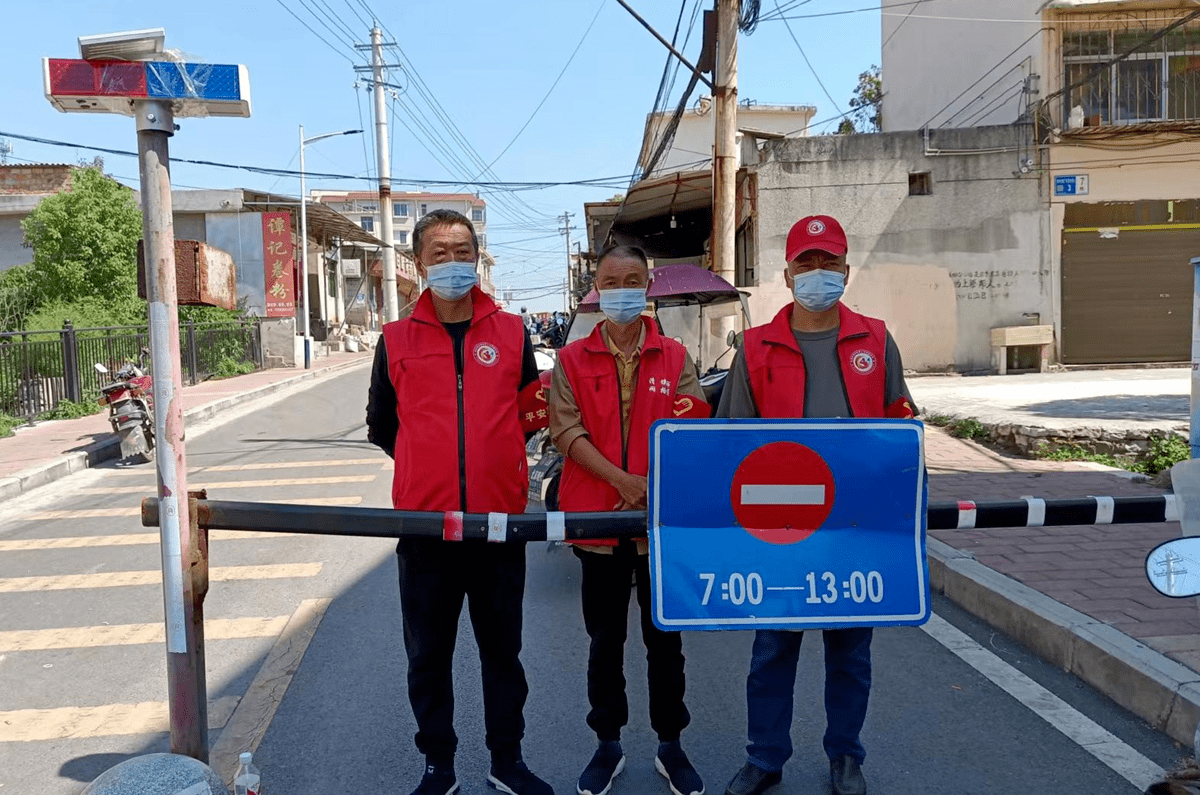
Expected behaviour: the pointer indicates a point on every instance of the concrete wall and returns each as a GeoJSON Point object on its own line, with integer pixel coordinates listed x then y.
{"type": "Point", "coordinates": [928, 62]}
{"type": "Point", "coordinates": [942, 269]}
{"type": "Point", "coordinates": [12, 243]}
{"type": "Point", "coordinates": [693, 143]}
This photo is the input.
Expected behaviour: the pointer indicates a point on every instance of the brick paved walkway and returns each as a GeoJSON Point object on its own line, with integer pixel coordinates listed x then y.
{"type": "Point", "coordinates": [1097, 570]}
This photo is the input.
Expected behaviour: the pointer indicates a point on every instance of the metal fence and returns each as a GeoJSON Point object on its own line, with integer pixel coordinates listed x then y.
{"type": "Point", "coordinates": [39, 369]}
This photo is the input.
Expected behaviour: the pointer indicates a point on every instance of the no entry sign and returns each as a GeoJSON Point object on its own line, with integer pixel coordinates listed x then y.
{"type": "Point", "coordinates": [788, 524]}
{"type": "Point", "coordinates": [782, 492]}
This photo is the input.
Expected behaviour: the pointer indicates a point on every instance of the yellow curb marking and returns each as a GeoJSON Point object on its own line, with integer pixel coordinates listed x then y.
{"type": "Point", "coordinates": [240, 484]}
{"type": "Point", "coordinates": [133, 634]}
{"type": "Point", "coordinates": [63, 723]}
{"type": "Point", "coordinates": [250, 721]}
{"type": "Point", "coordinates": [119, 579]}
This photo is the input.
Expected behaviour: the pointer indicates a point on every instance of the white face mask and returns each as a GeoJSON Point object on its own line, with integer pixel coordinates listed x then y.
{"type": "Point", "coordinates": [451, 281]}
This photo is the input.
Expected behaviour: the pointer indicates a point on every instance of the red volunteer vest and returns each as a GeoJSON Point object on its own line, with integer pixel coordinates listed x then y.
{"type": "Point", "coordinates": [429, 452]}
{"type": "Point", "coordinates": [776, 366]}
{"type": "Point", "coordinates": [591, 370]}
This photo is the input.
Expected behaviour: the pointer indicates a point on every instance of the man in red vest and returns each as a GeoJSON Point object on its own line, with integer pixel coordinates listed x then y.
{"type": "Point", "coordinates": [605, 393]}
{"type": "Point", "coordinates": [817, 358]}
{"type": "Point", "coordinates": [443, 404]}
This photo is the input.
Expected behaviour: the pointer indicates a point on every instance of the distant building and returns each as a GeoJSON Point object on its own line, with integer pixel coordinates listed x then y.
{"type": "Point", "coordinates": [22, 187]}
{"type": "Point", "coordinates": [363, 207]}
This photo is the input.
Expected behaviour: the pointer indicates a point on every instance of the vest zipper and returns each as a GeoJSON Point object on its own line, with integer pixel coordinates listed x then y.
{"type": "Point", "coordinates": [462, 440]}
{"type": "Point", "coordinates": [621, 416]}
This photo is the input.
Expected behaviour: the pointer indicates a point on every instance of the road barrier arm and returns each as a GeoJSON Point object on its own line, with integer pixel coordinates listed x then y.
{"type": "Point", "coordinates": [557, 526]}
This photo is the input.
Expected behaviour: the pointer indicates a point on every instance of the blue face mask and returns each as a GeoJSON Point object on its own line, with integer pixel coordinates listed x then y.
{"type": "Point", "coordinates": [451, 281]}
{"type": "Point", "coordinates": [818, 290]}
{"type": "Point", "coordinates": [623, 305]}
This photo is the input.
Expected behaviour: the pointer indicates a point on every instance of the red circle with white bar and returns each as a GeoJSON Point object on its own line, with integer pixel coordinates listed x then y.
{"type": "Point", "coordinates": [782, 492]}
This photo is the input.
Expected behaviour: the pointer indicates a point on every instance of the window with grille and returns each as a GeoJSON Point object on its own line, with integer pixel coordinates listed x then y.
{"type": "Point", "coordinates": [368, 223]}
{"type": "Point", "coordinates": [402, 238]}
{"type": "Point", "coordinates": [400, 209]}
{"type": "Point", "coordinates": [477, 214]}
{"type": "Point", "coordinates": [1160, 81]}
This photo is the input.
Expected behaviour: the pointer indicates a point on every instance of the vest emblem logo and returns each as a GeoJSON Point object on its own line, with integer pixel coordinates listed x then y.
{"type": "Point", "coordinates": [863, 362]}
{"type": "Point", "coordinates": [486, 354]}
{"type": "Point", "coordinates": [816, 228]}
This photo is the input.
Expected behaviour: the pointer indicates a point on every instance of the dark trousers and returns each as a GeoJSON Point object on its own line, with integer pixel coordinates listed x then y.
{"type": "Point", "coordinates": [771, 686]}
{"type": "Point", "coordinates": [435, 575]}
{"type": "Point", "coordinates": [607, 581]}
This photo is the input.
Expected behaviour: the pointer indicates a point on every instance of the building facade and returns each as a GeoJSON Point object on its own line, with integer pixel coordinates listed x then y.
{"type": "Point", "coordinates": [407, 207]}
{"type": "Point", "coordinates": [1111, 93]}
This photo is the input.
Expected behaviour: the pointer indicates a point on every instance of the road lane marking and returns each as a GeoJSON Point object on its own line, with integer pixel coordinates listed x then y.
{"type": "Point", "coordinates": [1127, 762]}
{"type": "Point", "coordinates": [239, 484]}
{"type": "Point", "coordinates": [250, 721]}
{"type": "Point", "coordinates": [348, 462]}
{"type": "Point", "coordinates": [120, 579]}
{"type": "Point", "coordinates": [133, 634]}
{"type": "Point", "coordinates": [69, 723]}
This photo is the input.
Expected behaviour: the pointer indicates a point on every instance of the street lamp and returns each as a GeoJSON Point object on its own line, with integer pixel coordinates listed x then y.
{"type": "Point", "coordinates": [304, 234]}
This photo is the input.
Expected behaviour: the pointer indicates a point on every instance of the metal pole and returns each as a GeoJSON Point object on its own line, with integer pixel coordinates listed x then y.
{"type": "Point", "coordinates": [391, 311]}
{"type": "Point", "coordinates": [725, 143]}
{"type": "Point", "coordinates": [304, 257]}
{"type": "Point", "coordinates": [570, 284]}
{"type": "Point", "coordinates": [339, 282]}
{"type": "Point", "coordinates": [1194, 433]}
{"type": "Point", "coordinates": [185, 667]}
{"type": "Point", "coordinates": [666, 43]}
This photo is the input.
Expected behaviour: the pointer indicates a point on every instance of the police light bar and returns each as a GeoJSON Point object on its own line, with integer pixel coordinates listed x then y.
{"type": "Point", "coordinates": [105, 86]}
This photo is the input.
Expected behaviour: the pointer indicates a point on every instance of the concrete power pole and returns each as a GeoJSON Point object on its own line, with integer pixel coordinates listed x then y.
{"type": "Point", "coordinates": [569, 292]}
{"type": "Point", "coordinates": [391, 309]}
{"type": "Point", "coordinates": [725, 144]}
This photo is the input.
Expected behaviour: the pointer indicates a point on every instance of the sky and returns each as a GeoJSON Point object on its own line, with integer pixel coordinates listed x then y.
{"type": "Point", "coordinates": [469, 78]}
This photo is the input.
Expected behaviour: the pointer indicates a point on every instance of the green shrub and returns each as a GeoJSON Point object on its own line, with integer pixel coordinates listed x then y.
{"type": "Point", "coordinates": [1075, 452]}
{"type": "Point", "coordinates": [940, 420]}
{"type": "Point", "coordinates": [1165, 452]}
{"type": "Point", "coordinates": [70, 410]}
{"type": "Point", "coordinates": [7, 424]}
{"type": "Point", "coordinates": [228, 367]}
{"type": "Point", "coordinates": [969, 428]}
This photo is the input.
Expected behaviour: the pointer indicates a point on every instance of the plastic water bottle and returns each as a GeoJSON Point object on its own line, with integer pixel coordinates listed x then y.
{"type": "Point", "coordinates": [247, 780]}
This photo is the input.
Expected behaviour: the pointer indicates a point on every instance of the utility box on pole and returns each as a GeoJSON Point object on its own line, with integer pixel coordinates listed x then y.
{"type": "Point", "coordinates": [204, 276]}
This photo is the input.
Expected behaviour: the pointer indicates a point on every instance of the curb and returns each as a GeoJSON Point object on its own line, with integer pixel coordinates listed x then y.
{"type": "Point", "coordinates": [1164, 693]}
{"type": "Point", "coordinates": [65, 465]}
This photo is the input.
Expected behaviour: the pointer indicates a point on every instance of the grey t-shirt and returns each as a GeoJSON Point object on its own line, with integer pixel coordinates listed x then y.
{"type": "Point", "coordinates": [824, 391]}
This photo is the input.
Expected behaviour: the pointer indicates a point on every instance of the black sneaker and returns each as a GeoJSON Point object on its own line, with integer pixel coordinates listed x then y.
{"type": "Point", "coordinates": [673, 763]}
{"type": "Point", "coordinates": [753, 780]}
{"type": "Point", "coordinates": [514, 778]}
{"type": "Point", "coordinates": [845, 774]}
{"type": "Point", "coordinates": [607, 763]}
{"type": "Point", "coordinates": [438, 780]}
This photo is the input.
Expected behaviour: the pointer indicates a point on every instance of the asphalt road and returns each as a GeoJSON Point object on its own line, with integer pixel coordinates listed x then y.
{"type": "Point", "coordinates": [82, 664]}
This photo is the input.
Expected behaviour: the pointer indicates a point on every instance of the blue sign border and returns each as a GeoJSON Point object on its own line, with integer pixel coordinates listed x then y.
{"type": "Point", "coordinates": [750, 622]}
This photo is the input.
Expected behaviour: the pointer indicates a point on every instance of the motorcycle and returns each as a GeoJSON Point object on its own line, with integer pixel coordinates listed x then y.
{"type": "Point", "coordinates": [130, 404]}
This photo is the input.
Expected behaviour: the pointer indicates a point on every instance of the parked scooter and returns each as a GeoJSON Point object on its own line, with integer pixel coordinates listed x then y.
{"type": "Point", "coordinates": [130, 404]}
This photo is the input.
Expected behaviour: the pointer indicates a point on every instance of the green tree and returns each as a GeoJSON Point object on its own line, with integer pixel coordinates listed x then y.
{"type": "Point", "coordinates": [866, 106]}
{"type": "Point", "coordinates": [85, 246]}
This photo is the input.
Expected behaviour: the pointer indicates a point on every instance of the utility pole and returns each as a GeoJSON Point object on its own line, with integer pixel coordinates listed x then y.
{"type": "Point", "coordinates": [725, 143]}
{"type": "Point", "coordinates": [390, 309]}
{"type": "Point", "coordinates": [566, 230]}
{"type": "Point", "coordinates": [183, 610]}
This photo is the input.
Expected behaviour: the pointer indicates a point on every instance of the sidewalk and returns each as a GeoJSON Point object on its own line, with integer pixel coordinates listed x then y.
{"type": "Point", "coordinates": [1077, 596]}
{"type": "Point", "coordinates": [49, 451]}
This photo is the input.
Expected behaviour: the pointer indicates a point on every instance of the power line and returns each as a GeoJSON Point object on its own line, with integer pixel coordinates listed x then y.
{"type": "Point", "coordinates": [832, 101]}
{"type": "Point", "coordinates": [323, 19]}
{"type": "Point", "coordinates": [318, 35]}
{"type": "Point", "coordinates": [897, 29]}
{"type": "Point", "coordinates": [601, 182]}
{"type": "Point", "coordinates": [354, 11]}
{"type": "Point", "coordinates": [552, 86]}
{"type": "Point", "coordinates": [984, 76]}
{"type": "Point", "coordinates": [847, 11]}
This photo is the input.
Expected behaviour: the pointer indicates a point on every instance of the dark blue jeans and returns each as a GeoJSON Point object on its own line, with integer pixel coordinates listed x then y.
{"type": "Point", "coordinates": [771, 686]}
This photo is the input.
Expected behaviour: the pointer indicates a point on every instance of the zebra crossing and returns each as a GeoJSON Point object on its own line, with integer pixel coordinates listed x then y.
{"type": "Point", "coordinates": [80, 593]}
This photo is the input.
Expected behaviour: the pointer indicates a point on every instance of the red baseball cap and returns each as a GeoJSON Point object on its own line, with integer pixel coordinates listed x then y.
{"type": "Point", "coordinates": [816, 232]}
